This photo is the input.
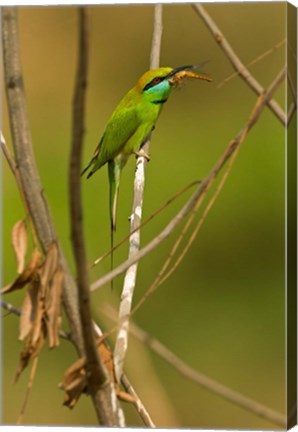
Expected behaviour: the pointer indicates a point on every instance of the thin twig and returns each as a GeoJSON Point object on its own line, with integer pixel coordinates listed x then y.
{"type": "Point", "coordinates": [236, 62]}
{"type": "Point", "coordinates": [190, 204]}
{"type": "Point", "coordinates": [99, 386]}
{"type": "Point", "coordinates": [11, 308]}
{"type": "Point", "coordinates": [9, 158]}
{"type": "Point", "coordinates": [28, 174]}
{"type": "Point", "coordinates": [16, 311]}
{"type": "Point", "coordinates": [199, 378]}
{"type": "Point", "coordinates": [28, 390]}
{"type": "Point", "coordinates": [138, 404]}
{"type": "Point", "coordinates": [156, 37]}
{"type": "Point", "coordinates": [135, 222]}
{"type": "Point", "coordinates": [13, 167]}
{"type": "Point", "coordinates": [147, 220]}
{"type": "Point", "coordinates": [202, 218]}
{"type": "Point", "coordinates": [140, 407]}
{"type": "Point", "coordinates": [253, 62]}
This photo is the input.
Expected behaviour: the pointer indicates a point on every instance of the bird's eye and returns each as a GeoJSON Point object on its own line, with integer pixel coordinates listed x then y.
{"type": "Point", "coordinates": [153, 82]}
{"type": "Point", "coordinates": [156, 80]}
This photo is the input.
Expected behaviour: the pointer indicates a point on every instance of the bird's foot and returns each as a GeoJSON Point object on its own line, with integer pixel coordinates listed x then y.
{"type": "Point", "coordinates": [142, 153]}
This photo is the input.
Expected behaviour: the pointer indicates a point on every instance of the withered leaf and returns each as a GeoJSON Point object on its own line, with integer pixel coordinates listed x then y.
{"type": "Point", "coordinates": [29, 351]}
{"type": "Point", "coordinates": [53, 308]}
{"type": "Point", "coordinates": [76, 369]}
{"type": "Point", "coordinates": [37, 328]}
{"type": "Point", "coordinates": [74, 382]}
{"type": "Point", "coordinates": [49, 267]}
{"type": "Point", "coordinates": [106, 356]}
{"type": "Point", "coordinates": [19, 239]}
{"type": "Point", "coordinates": [73, 393]}
{"type": "Point", "coordinates": [28, 310]}
{"type": "Point", "coordinates": [27, 275]}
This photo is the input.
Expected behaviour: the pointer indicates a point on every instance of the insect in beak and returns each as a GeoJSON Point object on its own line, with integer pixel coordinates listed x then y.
{"type": "Point", "coordinates": [177, 75]}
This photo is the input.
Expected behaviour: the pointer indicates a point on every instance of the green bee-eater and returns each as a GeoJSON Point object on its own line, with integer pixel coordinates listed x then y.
{"type": "Point", "coordinates": [131, 124]}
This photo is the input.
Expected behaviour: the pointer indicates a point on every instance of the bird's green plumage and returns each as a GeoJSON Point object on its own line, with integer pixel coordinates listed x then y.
{"type": "Point", "coordinates": [127, 129]}
{"type": "Point", "coordinates": [132, 120]}
{"type": "Point", "coordinates": [129, 126]}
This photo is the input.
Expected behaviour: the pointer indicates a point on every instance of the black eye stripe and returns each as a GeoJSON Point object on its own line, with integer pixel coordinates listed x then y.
{"type": "Point", "coordinates": [153, 82]}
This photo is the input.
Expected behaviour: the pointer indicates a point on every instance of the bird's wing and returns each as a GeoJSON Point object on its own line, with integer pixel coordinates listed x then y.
{"type": "Point", "coordinates": [122, 125]}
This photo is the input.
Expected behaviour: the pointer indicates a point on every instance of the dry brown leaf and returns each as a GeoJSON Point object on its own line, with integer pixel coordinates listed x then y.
{"type": "Point", "coordinates": [74, 381]}
{"type": "Point", "coordinates": [28, 352]}
{"type": "Point", "coordinates": [25, 324]}
{"type": "Point", "coordinates": [106, 356]}
{"type": "Point", "coordinates": [77, 368]}
{"type": "Point", "coordinates": [28, 310]}
{"type": "Point", "coordinates": [27, 275]}
{"type": "Point", "coordinates": [41, 309]}
{"type": "Point", "coordinates": [38, 329]}
{"type": "Point", "coordinates": [73, 393]}
{"type": "Point", "coordinates": [19, 239]}
{"type": "Point", "coordinates": [53, 308]}
{"type": "Point", "coordinates": [49, 267]}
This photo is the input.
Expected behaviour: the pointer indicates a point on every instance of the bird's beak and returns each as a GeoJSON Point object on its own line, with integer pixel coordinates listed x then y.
{"type": "Point", "coordinates": [180, 73]}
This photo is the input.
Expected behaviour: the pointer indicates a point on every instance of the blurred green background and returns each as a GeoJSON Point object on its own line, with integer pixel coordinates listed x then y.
{"type": "Point", "coordinates": [222, 311]}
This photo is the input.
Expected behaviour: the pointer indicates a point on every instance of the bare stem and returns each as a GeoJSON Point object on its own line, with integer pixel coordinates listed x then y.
{"type": "Point", "coordinates": [10, 308]}
{"type": "Point", "coordinates": [156, 37]}
{"type": "Point", "coordinates": [99, 385]}
{"type": "Point", "coordinates": [140, 407]}
{"type": "Point", "coordinates": [28, 174]}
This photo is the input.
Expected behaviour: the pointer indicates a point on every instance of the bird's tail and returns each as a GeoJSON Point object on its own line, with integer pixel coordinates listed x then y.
{"type": "Point", "coordinates": [112, 256]}
{"type": "Point", "coordinates": [86, 168]}
{"type": "Point", "coordinates": [93, 160]}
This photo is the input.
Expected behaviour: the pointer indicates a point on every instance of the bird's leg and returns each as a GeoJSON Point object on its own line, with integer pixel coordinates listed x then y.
{"type": "Point", "coordinates": [142, 153]}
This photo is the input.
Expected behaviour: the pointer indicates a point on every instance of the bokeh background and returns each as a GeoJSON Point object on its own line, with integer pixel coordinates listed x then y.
{"type": "Point", "coordinates": [222, 311]}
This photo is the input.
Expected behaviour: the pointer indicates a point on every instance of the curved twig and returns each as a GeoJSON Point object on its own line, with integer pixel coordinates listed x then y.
{"type": "Point", "coordinates": [236, 62]}
{"type": "Point", "coordinates": [99, 386]}
{"type": "Point", "coordinates": [253, 62]}
{"type": "Point", "coordinates": [140, 407]}
{"type": "Point", "coordinates": [147, 220]}
{"type": "Point", "coordinates": [135, 221]}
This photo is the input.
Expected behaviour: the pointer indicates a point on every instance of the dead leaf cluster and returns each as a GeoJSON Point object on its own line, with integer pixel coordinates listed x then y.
{"type": "Point", "coordinates": [41, 309]}
{"type": "Point", "coordinates": [74, 382]}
